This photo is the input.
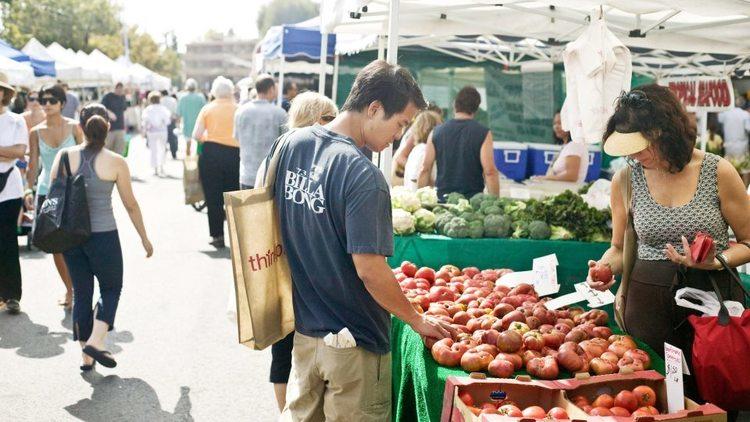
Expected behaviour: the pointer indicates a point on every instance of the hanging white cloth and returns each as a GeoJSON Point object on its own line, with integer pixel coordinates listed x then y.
{"type": "Point", "coordinates": [597, 69]}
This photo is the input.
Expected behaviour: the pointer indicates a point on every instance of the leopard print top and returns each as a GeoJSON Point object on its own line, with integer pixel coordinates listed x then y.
{"type": "Point", "coordinates": [657, 225]}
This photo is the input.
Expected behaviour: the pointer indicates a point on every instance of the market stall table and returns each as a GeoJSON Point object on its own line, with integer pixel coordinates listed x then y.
{"type": "Point", "coordinates": [435, 251]}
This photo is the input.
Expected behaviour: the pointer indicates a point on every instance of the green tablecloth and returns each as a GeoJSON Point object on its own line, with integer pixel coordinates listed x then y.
{"type": "Point", "coordinates": [418, 381]}
{"type": "Point", "coordinates": [436, 251]}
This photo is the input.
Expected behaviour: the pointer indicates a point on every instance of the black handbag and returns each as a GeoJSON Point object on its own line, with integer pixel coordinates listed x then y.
{"type": "Point", "coordinates": [63, 221]}
{"type": "Point", "coordinates": [4, 176]}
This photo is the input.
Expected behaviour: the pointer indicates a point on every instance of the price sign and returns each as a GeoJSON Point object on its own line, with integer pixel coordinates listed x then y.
{"type": "Point", "coordinates": [595, 298]}
{"type": "Point", "coordinates": [673, 365]}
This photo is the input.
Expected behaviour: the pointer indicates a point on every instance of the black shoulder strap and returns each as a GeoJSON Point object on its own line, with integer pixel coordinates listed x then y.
{"type": "Point", "coordinates": [65, 163]}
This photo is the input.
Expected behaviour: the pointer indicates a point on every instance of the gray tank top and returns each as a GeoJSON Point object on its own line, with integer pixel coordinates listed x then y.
{"type": "Point", "coordinates": [657, 225]}
{"type": "Point", "coordinates": [98, 194]}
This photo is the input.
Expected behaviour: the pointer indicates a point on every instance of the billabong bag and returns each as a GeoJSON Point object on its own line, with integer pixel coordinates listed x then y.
{"type": "Point", "coordinates": [63, 222]}
{"type": "Point", "coordinates": [262, 279]}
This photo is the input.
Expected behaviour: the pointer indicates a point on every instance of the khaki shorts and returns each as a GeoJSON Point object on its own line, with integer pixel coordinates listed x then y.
{"type": "Point", "coordinates": [115, 141]}
{"type": "Point", "coordinates": [330, 384]}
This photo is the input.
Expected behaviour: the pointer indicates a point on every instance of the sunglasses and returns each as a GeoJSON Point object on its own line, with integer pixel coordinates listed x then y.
{"type": "Point", "coordinates": [327, 118]}
{"type": "Point", "coordinates": [635, 99]}
{"type": "Point", "coordinates": [51, 101]}
{"type": "Point", "coordinates": [33, 99]}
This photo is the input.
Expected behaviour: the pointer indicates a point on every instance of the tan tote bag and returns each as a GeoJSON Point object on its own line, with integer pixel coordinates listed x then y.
{"type": "Point", "coordinates": [262, 279]}
{"type": "Point", "coordinates": [629, 249]}
{"type": "Point", "coordinates": [191, 180]}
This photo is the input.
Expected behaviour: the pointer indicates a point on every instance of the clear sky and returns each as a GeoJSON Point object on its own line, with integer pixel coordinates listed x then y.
{"type": "Point", "coordinates": [190, 19]}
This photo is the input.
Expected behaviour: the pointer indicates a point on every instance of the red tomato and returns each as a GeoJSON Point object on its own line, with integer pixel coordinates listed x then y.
{"type": "Point", "coordinates": [619, 411]}
{"type": "Point", "coordinates": [645, 395]}
{"type": "Point", "coordinates": [466, 398]}
{"type": "Point", "coordinates": [605, 400]}
{"type": "Point", "coordinates": [426, 273]}
{"type": "Point", "coordinates": [408, 269]}
{"type": "Point", "coordinates": [600, 411]}
{"type": "Point", "coordinates": [535, 412]}
{"type": "Point", "coordinates": [627, 400]}
{"type": "Point", "coordinates": [558, 413]}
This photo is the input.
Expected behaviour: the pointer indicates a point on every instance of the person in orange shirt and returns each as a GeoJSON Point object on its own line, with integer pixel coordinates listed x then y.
{"type": "Point", "coordinates": [219, 163]}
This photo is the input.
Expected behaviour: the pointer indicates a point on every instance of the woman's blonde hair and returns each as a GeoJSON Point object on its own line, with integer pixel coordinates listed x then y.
{"type": "Point", "coordinates": [423, 125]}
{"type": "Point", "coordinates": [308, 108]}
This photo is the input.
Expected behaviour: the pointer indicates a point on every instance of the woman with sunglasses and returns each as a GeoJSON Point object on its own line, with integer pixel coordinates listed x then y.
{"type": "Point", "coordinates": [676, 191]}
{"type": "Point", "coordinates": [46, 139]}
{"type": "Point", "coordinates": [34, 113]}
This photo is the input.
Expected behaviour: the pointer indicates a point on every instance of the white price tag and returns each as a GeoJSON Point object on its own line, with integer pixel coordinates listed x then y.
{"type": "Point", "coordinates": [545, 268]}
{"type": "Point", "coordinates": [565, 300]}
{"type": "Point", "coordinates": [673, 365]}
{"type": "Point", "coordinates": [595, 298]}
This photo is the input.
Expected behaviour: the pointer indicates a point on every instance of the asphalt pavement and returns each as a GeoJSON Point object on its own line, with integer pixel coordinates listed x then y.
{"type": "Point", "coordinates": [177, 351]}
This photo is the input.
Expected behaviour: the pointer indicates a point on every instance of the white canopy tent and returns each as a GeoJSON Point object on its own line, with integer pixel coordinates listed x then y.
{"type": "Point", "coordinates": [71, 69]}
{"type": "Point", "coordinates": [667, 38]}
{"type": "Point", "coordinates": [689, 38]}
{"type": "Point", "coordinates": [19, 74]}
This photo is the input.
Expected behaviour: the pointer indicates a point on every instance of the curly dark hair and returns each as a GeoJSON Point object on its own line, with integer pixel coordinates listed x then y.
{"type": "Point", "coordinates": [656, 112]}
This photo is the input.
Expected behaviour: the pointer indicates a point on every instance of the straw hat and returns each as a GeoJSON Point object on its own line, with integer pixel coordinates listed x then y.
{"type": "Point", "coordinates": [621, 144]}
{"type": "Point", "coordinates": [4, 82]}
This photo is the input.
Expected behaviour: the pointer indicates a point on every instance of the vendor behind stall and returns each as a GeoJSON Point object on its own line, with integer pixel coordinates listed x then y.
{"type": "Point", "coordinates": [462, 149]}
{"type": "Point", "coordinates": [572, 164]}
{"type": "Point", "coordinates": [676, 192]}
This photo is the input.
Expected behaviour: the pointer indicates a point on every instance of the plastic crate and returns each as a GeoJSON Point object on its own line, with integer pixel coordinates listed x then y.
{"type": "Point", "coordinates": [541, 156]}
{"type": "Point", "coordinates": [511, 159]}
{"type": "Point", "coordinates": [595, 162]}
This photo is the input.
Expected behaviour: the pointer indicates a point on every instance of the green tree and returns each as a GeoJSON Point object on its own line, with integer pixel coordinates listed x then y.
{"type": "Point", "coordinates": [279, 12]}
{"type": "Point", "coordinates": [71, 23]}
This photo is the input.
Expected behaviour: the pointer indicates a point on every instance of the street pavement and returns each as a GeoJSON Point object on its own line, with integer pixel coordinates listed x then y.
{"type": "Point", "coordinates": [177, 351]}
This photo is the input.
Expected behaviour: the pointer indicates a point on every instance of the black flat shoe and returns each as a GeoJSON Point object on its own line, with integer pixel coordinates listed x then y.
{"type": "Point", "coordinates": [102, 356]}
{"type": "Point", "coordinates": [86, 368]}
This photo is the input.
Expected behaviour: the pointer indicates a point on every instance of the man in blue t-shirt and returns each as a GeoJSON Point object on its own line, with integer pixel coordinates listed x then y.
{"type": "Point", "coordinates": [335, 212]}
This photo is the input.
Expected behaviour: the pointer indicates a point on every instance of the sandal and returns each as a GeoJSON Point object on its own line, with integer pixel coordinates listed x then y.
{"type": "Point", "coordinates": [86, 368]}
{"type": "Point", "coordinates": [102, 356]}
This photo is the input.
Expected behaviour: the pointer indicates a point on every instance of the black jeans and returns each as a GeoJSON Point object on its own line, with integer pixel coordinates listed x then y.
{"type": "Point", "coordinates": [219, 167]}
{"type": "Point", "coordinates": [172, 139]}
{"type": "Point", "coordinates": [101, 257]}
{"type": "Point", "coordinates": [10, 265]}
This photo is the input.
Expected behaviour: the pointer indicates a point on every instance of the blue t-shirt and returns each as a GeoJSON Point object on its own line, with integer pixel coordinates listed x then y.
{"type": "Point", "coordinates": [333, 202]}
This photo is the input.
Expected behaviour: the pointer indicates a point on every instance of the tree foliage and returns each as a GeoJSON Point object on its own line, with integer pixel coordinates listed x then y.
{"type": "Point", "coordinates": [279, 12]}
{"type": "Point", "coordinates": [85, 25]}
{"type": "Point", "coordinates": [72, 23]}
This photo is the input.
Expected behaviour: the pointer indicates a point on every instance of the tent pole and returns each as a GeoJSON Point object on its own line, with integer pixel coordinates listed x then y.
{"type": "Point", "coordinates": [323, 60]}
{"type": "Point", "coordinates": [381, 56]}
{"type": "Point", "coordinates": [387, 155]}
{"type": "Point", "coordinates": [335, 87]}
{"type": "Point", "coordinates": [702, 129]}
{"type": "Point", "coordinates": [281, 82]}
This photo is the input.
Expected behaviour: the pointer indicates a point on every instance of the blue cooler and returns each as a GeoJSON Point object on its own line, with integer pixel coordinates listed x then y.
{"type": "Point", "coordinates": [541, 156]}
{"type": "Point", "coordinates": [511, 159]}
{"type": "Point", "coordinates": [595, 162]}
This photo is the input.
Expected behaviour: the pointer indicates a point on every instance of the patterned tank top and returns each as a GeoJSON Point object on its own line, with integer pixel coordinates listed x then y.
{"type": "Point", "coordinates": [657, 225]}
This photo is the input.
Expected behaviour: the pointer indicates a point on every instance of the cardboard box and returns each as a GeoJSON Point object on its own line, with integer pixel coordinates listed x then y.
{"type": "Point", "coordinates": [522, 390]}
{"type": "Point", "coordinates": [592, 386]}
{"type": "Point", "coordinates": [548, 394]}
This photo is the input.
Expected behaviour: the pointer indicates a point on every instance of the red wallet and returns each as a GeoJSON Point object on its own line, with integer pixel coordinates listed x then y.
{"type": "Point", "coordinates": [700, 247]}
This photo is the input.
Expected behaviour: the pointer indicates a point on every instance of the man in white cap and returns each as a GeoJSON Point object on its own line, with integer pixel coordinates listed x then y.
{"type": "Point", "coordinates": [14, 140]}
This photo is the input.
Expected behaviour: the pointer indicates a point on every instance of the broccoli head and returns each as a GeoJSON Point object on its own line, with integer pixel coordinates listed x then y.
{"type": "Point", "coordinates": [496, 225]}
{"type": "Point", "coordinates": [457, 227]}
{"type": "Point", "coordinates": [539, 230]}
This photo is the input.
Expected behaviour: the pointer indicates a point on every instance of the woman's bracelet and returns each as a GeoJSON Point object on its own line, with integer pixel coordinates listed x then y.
{"type": "Point", "coordinates": [28, 192]}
